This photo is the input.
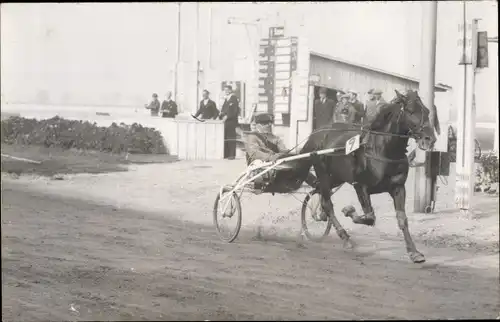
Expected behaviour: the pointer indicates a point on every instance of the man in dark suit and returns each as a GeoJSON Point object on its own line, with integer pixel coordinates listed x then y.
{"type": "Point", "coordinates": [324, 108]}
{"type": "Point", "coordinates": [373, 106]}
{"type": "Point", "coordinates": [358, 110]}
{"type": "Point", "coordinates": [207, 110]}
{"type": "Point", "coordinates": [169, 107]}
{"type": "Point", "coordinates": [229, 114]}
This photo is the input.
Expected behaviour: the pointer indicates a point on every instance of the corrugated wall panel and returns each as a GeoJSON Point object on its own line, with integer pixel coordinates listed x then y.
{"type": "Point", "coordinates": [342, 76]}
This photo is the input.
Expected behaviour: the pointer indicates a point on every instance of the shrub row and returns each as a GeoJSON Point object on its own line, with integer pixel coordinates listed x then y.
{"type": "Point", "coordinates": [487, 174]}
{"type": "Point", "coordinates": [67, 134]}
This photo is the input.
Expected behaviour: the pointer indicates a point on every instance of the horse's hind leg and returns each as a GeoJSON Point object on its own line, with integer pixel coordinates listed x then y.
{"type": "Point", "coordinates": [398, 194]}
{"type": "Point", "coordinates": [368, 218]}
{"type": "Point", "coordinates": [326, 202]}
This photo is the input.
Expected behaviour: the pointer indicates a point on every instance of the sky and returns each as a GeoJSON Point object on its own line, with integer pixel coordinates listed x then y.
{"type": "Point", "coordinates": [121, 52]}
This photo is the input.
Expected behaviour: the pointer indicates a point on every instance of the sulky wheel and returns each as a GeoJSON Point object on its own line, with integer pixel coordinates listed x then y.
{"type": "Point", "coordinates": [313, 227]}
{"type": "Point", "coordinates": [227, 213]}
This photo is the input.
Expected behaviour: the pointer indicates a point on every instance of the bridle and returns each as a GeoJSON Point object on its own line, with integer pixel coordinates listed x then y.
{"type": "Point", "coordinates": [419, 130]}
{"type": "Point", "coordinates": [412, 133]}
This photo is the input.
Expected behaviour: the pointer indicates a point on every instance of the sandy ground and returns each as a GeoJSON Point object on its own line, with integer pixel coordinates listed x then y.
{"type": "Point", "coordinates": [186, 191]}
{"type": "Point", "coordinates": [135, 245]}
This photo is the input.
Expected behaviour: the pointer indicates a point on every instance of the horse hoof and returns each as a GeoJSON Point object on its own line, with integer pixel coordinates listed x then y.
{"type": "Point", "coordinates": [417, 257]}
{"type": "Point", "coordinates": [349, 211]}
{"type": "Point", "coordinates": [364, 220]}
{"type": "Point", "coordinates": [349, 244]}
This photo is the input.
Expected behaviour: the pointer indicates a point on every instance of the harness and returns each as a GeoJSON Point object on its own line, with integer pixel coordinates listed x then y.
{"type": "Point", "coordinates": [412, 133]}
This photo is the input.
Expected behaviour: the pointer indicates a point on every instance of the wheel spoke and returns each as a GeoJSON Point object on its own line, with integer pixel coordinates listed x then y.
{"type": "Point", "coordinates": [227, 213]}
{"type": "Point", "coordinates": [313, 227]}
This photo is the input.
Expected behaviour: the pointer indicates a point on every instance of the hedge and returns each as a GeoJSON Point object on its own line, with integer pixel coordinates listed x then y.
{"type": "Point", "coordinates": [487, 174]}
{"type": "Point", "coordinates": [68, 134]}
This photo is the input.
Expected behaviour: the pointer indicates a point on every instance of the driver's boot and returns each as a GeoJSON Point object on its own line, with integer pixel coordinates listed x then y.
{"type": "Point", "coordinates": [258, 185]}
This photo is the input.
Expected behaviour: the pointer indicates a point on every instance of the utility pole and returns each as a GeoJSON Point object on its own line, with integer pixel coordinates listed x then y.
{"type": "Point", "coordinates": [177, 53]}
{"type": "Point", "coordinates": [424, 186]}
{"type": "Point", "coordinates": [209, 59]}
{"type": "Point", "coordinates": [465, 173]}
{"type": "Point", "coordinates": [495, 142]}
{"type": "Point", "coordinates": [196, 59]}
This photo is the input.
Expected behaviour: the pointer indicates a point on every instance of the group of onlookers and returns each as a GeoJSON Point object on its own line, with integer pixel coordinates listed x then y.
{"type": "Point", "coordinates": [347, 108]}
{"type": "Point", "coordinates": [207, 110]}
{"type": "Point", "coordinates": [168, 108]}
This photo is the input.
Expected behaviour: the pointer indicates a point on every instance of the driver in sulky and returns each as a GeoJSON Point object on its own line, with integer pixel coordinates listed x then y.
{"type": "Point", "coordinates": [262, 145]}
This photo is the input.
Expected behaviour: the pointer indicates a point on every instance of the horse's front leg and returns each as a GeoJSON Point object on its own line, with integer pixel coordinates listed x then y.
{"type": "Point", "coordinates": [368, 218]}
{"type": "Point", "coordinates": [326, 202]}
{"type": "Point", "coordinates": [398, 194]}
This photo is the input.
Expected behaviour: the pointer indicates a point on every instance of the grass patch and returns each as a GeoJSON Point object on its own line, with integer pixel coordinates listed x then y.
{"type": "Point", "coordinates": [60, 161]}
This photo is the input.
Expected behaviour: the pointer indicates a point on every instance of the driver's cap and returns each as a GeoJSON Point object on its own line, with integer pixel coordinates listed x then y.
{"type": "Point", "coordinates": [264, 118]}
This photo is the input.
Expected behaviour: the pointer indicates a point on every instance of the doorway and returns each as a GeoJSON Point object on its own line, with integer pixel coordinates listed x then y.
{"type": "Point", "coordinates": [331, 94]}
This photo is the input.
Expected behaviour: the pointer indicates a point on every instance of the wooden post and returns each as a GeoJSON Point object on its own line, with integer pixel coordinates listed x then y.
{"type": "Point", "coordinates": [424, 186]}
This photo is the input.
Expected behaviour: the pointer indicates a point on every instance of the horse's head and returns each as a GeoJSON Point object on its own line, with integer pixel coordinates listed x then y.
{"type": "Point", "coordinates": [416, 118]}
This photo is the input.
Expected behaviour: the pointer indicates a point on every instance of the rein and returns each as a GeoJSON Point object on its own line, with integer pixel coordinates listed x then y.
{"type": "Point", "coordinates": [410, 134]}
{"type": "Point", "coordinates": [368, 131]}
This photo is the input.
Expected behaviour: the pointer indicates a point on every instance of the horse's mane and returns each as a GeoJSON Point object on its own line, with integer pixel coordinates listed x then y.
{"type": "Point", "coordinates": [385, 114]}
{"type": "Point", "coordinates": [388, 110]}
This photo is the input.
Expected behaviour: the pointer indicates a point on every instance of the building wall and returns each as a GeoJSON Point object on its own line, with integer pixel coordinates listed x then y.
{"type": "Point", "coordinates": [340, 76]}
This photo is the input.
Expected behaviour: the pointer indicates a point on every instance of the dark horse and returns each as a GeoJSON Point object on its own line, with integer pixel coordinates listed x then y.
{"type": "Point", "coordinates": [379, 165]}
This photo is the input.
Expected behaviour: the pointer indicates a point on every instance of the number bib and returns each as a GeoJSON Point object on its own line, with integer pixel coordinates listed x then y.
{"type": "Point", "coordinates": [352, 144]}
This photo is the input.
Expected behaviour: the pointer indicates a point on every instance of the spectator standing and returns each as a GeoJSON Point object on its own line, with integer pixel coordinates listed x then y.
{"type": "Point", "coordinates": [370, 106]}
{"type": "Point", "coordinates": [357, 108]}
{"type": "Point", "coordinates": [324, 108]}
{"type": "Point", "coordinates": [376, 101]}
{"type": "Point", "coordinates": [378, 97]}
{"type": "Point", "coordinates": [341, 114]}
{"type": "Point", "coordinates": [169, 107]}
{"type": "Point", "coordinates": [154, 106]}
{"type": "Point", "coordinates": [207, 109]}
{"type": "Point", "coordinates": [229, 114]}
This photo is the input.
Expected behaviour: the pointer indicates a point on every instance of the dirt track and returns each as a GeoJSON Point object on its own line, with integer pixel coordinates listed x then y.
{"type": "Point", "coordinates": [114, 264]}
